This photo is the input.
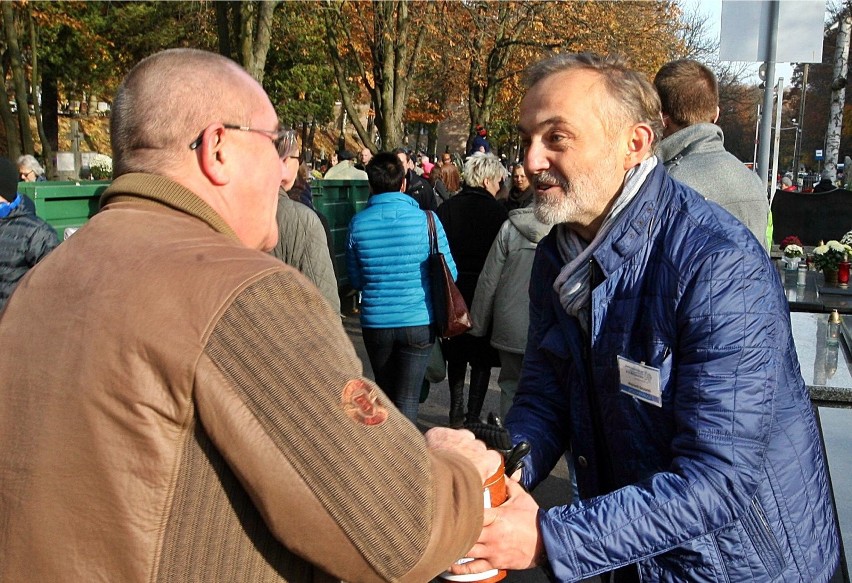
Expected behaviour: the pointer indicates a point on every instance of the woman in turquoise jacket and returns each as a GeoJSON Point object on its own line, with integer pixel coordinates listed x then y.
{"type": "Point", "coordinates": [386, 254]}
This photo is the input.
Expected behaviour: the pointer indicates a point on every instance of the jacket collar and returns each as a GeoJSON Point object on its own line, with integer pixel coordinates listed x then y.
{"type": "Point", "coordinates": [161, 191]}
{"type": "Point", "coordinates": [688, 139]}
{"type": "Point", "coordinates": [475, 190]}
{"type": "Point", "coordinates": [388, 197]}
{"type": "Point", "coordinates": [633, 228]}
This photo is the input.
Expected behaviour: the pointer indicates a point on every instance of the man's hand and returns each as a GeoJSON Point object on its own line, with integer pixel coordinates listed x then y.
{"type": "Point", "coordinates": [463, 442]}
{"type": "Point", "coordinates": [497, 437]}
{"type": "Point", "coordinates": [510, 536]}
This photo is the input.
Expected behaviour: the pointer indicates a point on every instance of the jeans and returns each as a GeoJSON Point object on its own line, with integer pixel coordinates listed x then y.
{"type": "Point", "coordinates": [399, 357]}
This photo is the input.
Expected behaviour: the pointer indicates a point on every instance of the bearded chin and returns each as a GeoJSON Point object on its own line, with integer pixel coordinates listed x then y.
{"type": "Point", "coordinates": [552, 210]}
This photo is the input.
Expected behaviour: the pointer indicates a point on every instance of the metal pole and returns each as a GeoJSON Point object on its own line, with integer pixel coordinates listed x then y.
{"type": "Point", "coordinates": [779, 89]}
{"type": "Point", "coordinates": [756, 140]}
{"type": "Point", "coordinates": [800, 131]}
{"type": "Point", "coordinates": [766, 119]}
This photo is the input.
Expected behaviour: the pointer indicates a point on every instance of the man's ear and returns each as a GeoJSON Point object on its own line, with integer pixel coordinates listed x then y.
{"type": "Point", "coordinates": [640, 139]}
{"type": "Point", "coordinates": [213, 156]}
{"type": "Point", "coordinates": [715, 119]}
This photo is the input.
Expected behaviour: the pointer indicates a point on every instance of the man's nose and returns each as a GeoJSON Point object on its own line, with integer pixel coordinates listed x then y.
{"type": "Point", "coordinates": [535, 158]}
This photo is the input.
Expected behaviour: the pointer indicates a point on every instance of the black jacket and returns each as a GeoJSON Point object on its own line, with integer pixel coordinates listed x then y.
{"type": "Point", "coordinates": [472, 218]}
{"type": "Point", "coordinates": [24, 240]}
{"type": "Point", "coordinates": [421, 191]}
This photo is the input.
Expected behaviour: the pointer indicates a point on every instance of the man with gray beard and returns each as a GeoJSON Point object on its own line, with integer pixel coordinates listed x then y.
{"type": "Point", "coordinates": [659, 357]}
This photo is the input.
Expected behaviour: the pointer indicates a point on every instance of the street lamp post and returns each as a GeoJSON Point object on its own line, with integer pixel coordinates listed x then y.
{"type": "Point", "coordinates": [797, 151]}
{"type": "Point", "coordinates": [798, 129]}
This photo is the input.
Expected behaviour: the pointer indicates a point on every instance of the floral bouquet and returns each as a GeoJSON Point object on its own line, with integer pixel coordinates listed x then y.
{"type": "Point", "coordinates": [101, 167]}
{"type": "Point", "coordinates": [790, 240]}
{"type": "Point", "coordinates": [829, 256]}
{"type": "Point", "coordinates": [793, 251]}
{"type": "Point", "coordinates": [847, 239]}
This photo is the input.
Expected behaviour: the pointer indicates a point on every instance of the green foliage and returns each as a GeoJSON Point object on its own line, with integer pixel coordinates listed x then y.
{"type": "Point", "coordinates": [89, 46]}
{"type": "Point", "coordinates": [298, 78]}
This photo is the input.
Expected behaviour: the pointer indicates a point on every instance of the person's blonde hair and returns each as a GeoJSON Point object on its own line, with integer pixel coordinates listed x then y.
{"type": "Point", "coordinates": [481, 166]}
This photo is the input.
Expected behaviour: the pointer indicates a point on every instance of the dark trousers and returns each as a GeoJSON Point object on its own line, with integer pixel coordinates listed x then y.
{"type": "Point", "coordinates": [399, 357]}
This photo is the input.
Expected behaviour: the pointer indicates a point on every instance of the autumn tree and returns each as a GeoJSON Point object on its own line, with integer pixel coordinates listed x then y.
{"type": "Point", "coordinates": [499, 40]}
{"type": "Point", "coordinates": [377, 45]}
{"type": "Point", "coordinates": [80, 49]}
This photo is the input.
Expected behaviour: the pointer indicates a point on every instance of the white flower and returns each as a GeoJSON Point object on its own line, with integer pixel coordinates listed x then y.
{"type": "Point", "coordinates": [793, 251]}
{"type": "Point", "coordinates": [101, 166]}
{"type": "Point", "coordinates": [102, 162]}
{"type": "Point", "coordinates": [837, 246]}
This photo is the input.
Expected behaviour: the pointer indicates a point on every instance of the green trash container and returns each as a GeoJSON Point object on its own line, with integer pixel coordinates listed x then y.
{"type": "Point", "coordinates": [64, 204]}
{"type": "Point", "coordinates": [339, 200]}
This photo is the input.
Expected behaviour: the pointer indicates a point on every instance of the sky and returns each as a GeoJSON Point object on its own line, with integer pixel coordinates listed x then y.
{"type": "Point", "coordinates": [712, 10]}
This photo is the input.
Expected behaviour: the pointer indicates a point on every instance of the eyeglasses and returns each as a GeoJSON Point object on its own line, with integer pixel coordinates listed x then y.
{"type": "Point", "coordinates": [23, 175]}
{"type": "Point", "coordinates": [284, 140]}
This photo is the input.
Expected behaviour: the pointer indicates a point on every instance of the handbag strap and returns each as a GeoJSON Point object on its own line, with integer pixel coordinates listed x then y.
{"type": "Point", "coordinates": [433, 235]}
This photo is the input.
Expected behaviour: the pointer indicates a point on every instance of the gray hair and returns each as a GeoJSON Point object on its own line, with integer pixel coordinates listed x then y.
{"type": "Point", "coordinates": [634, 98]}
{"type": "Point", "coordinates": [28, 162]}
{"type": "Point", "coordinates": [167, 100]}
{"type": "Point", "coordinates": [480, 166]}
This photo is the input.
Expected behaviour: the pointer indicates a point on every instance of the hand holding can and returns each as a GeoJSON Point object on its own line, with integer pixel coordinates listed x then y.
{"type": "Point", "coordinates": [494, 494]}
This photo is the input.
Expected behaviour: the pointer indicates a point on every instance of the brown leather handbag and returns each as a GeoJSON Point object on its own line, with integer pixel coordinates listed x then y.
{"type": "Point", "coordinates": [448, 307]}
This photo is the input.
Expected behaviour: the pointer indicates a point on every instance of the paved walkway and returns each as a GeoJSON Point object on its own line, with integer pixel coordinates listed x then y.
{"type": "Point", "coordinates": [434, 412]}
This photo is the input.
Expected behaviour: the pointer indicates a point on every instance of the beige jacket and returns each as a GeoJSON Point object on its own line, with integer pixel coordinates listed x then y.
{"type": "Point", "coordinates": [186, 409]}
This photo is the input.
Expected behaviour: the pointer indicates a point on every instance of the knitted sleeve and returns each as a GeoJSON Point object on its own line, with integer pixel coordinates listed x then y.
{"type": "Point", "coordinates": [338, 474]}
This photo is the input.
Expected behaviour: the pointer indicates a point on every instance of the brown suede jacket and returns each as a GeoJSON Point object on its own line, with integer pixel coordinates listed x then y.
{"type": "Point", "coordinates": [186, 409]}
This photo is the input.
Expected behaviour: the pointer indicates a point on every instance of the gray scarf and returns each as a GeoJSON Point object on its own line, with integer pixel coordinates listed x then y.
{"type": "Point", "coordinates": [572, 284]}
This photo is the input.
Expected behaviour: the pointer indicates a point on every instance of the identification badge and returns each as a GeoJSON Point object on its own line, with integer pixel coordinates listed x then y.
{"type": "Point", "coordinates": [640, 381]}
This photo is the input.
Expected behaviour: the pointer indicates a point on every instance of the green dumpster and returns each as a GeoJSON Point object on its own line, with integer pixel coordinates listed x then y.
{"type": "Point", "coordinates": [64, 204]}
{"type": "Point", "coordinates": [339, 200]}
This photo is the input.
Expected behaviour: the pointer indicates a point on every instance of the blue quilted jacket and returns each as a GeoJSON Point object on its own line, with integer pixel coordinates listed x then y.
{"type": "Point", "coordinates": [723, 482]}
{"type": "Point", "coordinates": [386, 256]}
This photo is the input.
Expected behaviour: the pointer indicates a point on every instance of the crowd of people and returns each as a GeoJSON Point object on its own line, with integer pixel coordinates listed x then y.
{"type": "Point", "coordinates": [200, 413]}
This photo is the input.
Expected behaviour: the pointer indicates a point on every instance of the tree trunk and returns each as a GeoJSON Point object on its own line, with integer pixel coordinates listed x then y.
{"type": "Point", "coordinates": [223, 28]}
{"type": "Point", "coordinates": [311, 136]}
{"type": "Point", "coordinates": [13, 142]}
{"type": "Point", "coordinates": [432, 145]}
{"type": "Point", "coordinates": [255, 35]}
{"type": "Point", "coordinates": [50, 108]}
{"type": "Point", "coordinates": [18, 78]}
{"type": "Point", "coordinates": [334, 23]}
{"type": "Point", "coordinates": [838, 95]}
{"type": "Point", "coordinates": [46, 150]}
{"type": "Point", "coordinates": [248, 10]}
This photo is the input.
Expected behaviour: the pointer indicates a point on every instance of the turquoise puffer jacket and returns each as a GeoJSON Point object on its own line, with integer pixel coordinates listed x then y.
{"type": "Point", "coordinates": [386, 254]}
{"type": "Point", "coordinates": [725, 480]}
